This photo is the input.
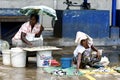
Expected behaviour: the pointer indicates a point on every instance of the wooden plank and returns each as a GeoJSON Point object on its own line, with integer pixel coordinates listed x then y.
{"type": "Point", "coordinates": [42, 48]}
{"type": "Point", "coordinates": [13, 18]}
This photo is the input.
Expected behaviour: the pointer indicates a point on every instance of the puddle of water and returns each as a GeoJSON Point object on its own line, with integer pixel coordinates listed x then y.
{"type": "Point", "coordinates": [31, 72]}
{"type": "Point", "coordinates": [114, 57]}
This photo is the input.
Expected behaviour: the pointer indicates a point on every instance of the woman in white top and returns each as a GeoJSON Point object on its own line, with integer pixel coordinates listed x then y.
{"type": "Point", "coordinates": [28, 32]}
{"type": "Point", "coordinates": [83, 50]}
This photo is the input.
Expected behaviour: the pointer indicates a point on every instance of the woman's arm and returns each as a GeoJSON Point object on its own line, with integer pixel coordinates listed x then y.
{"type": "Point", "coordinates": [78, 61]}
{"type": "Point", "coordinates": [39, 33]}
{"type": "Point", "coordinates": [23, 38]}
{"type": "Point", "coordinates": [94, 49]}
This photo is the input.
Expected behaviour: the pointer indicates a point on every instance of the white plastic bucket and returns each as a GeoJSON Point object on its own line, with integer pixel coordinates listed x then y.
{"type": "Point", "coordinates": [18, 57]}
{"type": "Point", "coordinates": [6, 57]}
{"type": "Point", "coordinates": [30, 36]}
{"type": "Point", "coordinates": [43, 58]}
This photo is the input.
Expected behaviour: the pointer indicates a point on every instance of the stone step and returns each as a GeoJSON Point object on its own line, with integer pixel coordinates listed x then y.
{"type": "Point", "coordinates": [49, 39]}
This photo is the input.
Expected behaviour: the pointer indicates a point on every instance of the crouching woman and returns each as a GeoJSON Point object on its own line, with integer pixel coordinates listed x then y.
{"type": "Point", "coordinates": [82, 53]}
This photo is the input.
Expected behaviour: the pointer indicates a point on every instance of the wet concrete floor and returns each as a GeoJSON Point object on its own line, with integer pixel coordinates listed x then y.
{"type": "Point", "coordinates": [32, 72]}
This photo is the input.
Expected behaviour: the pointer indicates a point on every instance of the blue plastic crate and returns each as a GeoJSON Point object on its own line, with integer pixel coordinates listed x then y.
{"type": "Point", "coordinates": [66, 62]}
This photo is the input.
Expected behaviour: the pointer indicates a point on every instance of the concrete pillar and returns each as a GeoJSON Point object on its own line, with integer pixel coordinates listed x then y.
{"type": "Point", "coordinates": [55, 2]}
{"type": "Point", "coordinates": [114, 32]}
{"type": "Point", "coordinates": [118, 4]}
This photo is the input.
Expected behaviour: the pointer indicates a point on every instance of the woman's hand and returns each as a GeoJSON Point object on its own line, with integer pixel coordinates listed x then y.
{"type": "Point", "coordinates": [23, 38]}
{"type": "Point", "coordinates": [41, 28]}
{"type": "Point", "coordinates": [30, 44]}
{"type": "Point", "coordinates": [98, 54]}
{"type": "Point", "coordinates": [76, 72]}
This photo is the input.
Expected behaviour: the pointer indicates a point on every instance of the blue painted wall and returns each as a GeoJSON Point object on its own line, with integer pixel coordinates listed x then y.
{"type": "Point", "coordinates": [93, 22]}
{"type": "Point", "coordinates": [10, 12]}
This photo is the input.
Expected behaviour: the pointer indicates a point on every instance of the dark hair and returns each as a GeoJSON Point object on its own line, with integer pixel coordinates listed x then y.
{"type": "Point", "coordinates": [35, 15]}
